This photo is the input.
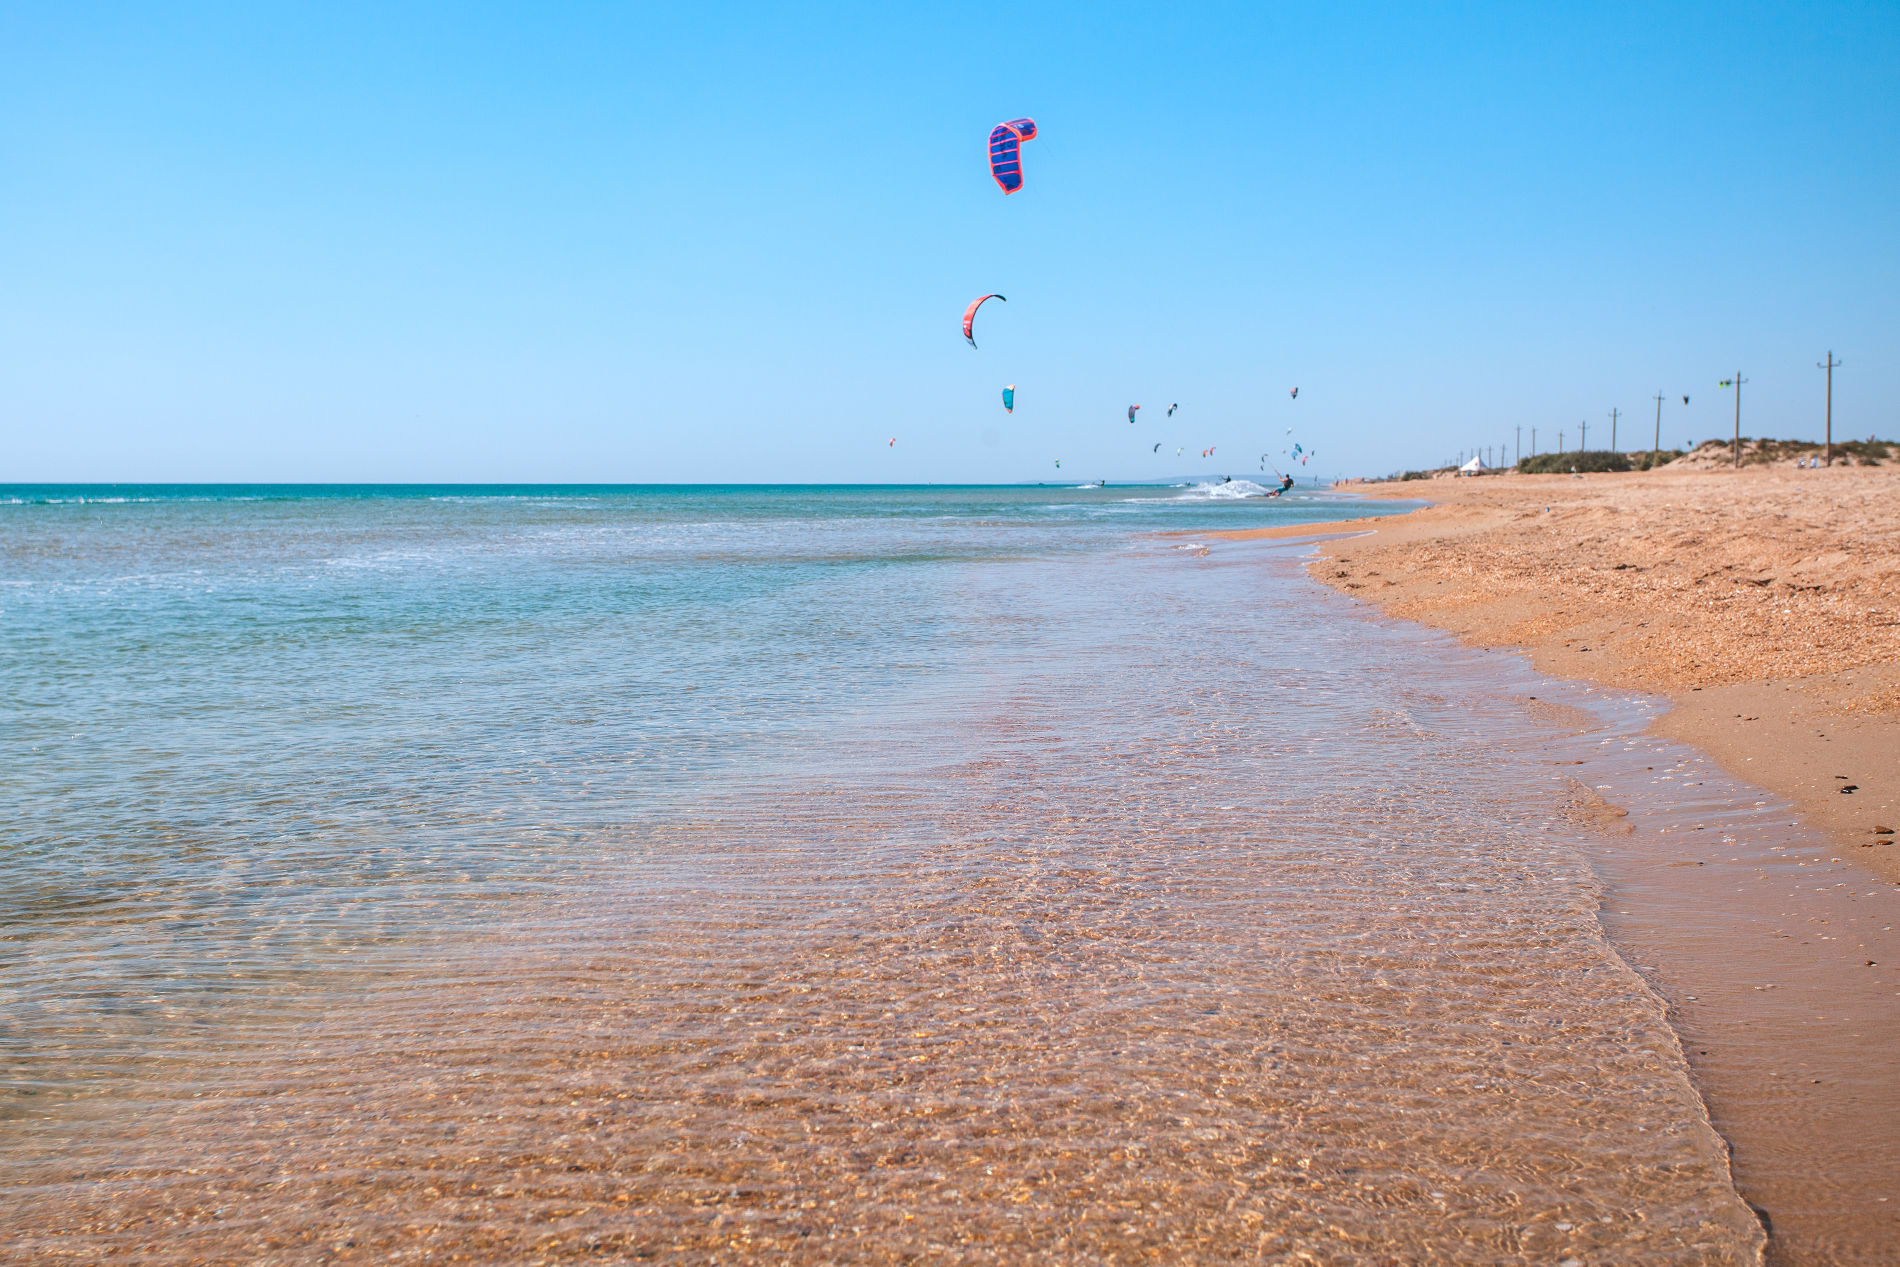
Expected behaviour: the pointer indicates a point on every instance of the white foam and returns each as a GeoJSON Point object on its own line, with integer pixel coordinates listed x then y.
{"type": "Point", "coordinates": [1223, 492]}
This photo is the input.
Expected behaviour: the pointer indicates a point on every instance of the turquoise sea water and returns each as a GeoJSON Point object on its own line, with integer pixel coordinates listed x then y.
{"type": "Point", "coordinates": [810, 873]}
{"type": "Point", "coordinates": [250, 692]}
{"type": "Point", "coordinates": [241, 722]}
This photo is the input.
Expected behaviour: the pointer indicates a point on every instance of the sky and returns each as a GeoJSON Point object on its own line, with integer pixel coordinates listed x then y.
{"type": "Point", "coordinates": [730, 242]}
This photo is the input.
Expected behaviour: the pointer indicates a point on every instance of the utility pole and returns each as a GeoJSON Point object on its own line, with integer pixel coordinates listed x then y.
{"type": "Point", "coordinates": [1830, 366]}
{"type": "Point", "coordinates": [1519, 450]}
{"type": "Point", "coordinates": [1656, 451]}
{"type": "Point", "coordinates": [1735, 446]}
{"type": "Point", "coordinates": [1533, 440]}
{"type": "Point", "coordinates": [1560, 443]}
{"type": "Point", "coordinates": [1613, 415]}
{"type": "Point", "coordinates": [1583, 440]}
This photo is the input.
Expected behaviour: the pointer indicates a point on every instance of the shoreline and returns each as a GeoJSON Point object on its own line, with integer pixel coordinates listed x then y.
{"type": "Point", "coordinates": [1770, 940]}
{"type": "Point", "coordinates": [1174, 878]}
{"type": "Point", "coordinates": [1768, 616]}
{"type": "Point", "coordinates": [1754, 934]}
{"type": "Point", "coordinates": [1066, 971]}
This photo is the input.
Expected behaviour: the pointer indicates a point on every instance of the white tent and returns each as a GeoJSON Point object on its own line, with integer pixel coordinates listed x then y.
{"type": "Point", "coordinates": [1474, 467]}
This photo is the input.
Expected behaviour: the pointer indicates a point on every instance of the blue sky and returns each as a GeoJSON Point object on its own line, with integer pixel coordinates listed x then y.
{"type": "Point", "coordinates": [608, 242]}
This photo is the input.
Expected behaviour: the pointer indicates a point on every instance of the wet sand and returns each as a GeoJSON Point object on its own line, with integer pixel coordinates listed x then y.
{"type": "Point", "coordinates": [1765, 609]}
{"type": "Point", "coordinates": [1764, 605]}
{"type": "Point", "coordinates": [1776, 956]}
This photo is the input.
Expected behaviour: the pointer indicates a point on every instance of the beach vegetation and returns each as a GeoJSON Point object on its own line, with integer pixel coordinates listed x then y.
{"type": "Point", "coordinates": [1645, 460]}
{"type": "Point", "coordinates": [1761, 451]}
{"type": "Point", "coordinates": [1869, 452]}
{"type": "Point", "coordinates": [1584, 461]}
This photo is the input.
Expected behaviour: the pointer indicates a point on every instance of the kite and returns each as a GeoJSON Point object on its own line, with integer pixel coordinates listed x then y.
{"type": "Point", "coordinates": [892, 444]}
{"type": "Point", "coordinates": [1058, 464]}
{"type": "Point", "coordinates": [1009, 399]}
{"type": "Point", "coordinates": [1156, 449]}
{"type": "Point", "coordinates": [1131, 412]}
{"type": "Point", "coordinates": [1171, 409]}
{"type": "Point", "coordinates": [1006, 160]}
{"type": "Point", "coordinates": [1685, 400]}
{"type": "Point", "coordinates": [969, 316]}
{"type": "Point", "coordinates": [1296, 393]}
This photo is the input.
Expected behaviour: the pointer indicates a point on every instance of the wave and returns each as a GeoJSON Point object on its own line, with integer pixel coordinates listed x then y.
{"type": "Point", "coordinates": [1223, 492]}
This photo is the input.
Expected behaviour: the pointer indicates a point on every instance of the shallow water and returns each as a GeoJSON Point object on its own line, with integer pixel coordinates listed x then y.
{"type": "Point", "coordinates": [1779, 958]}
{"type": "Point", "coordinates": [822, 875]}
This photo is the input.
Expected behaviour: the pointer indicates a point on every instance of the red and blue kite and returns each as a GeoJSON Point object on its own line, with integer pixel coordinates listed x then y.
{"type": "Point", "coordinates": [1006, 159]}
{"type": "Point", "coordinates": [969, 317]}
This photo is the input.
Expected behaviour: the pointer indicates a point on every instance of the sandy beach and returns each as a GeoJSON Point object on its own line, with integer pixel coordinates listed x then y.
{"type": "Point", "coordinates": [1764, 608]}
{"type": "Point", "coordinates": [1764, 605]}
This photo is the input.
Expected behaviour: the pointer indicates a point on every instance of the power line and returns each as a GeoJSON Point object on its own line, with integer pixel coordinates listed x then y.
{"type": "Point", "coordinates": [1830, 365]}
{"type": "Point", "coordinates": [1735, 446]}
{"type": "Point", "coordinates": [1656, 450]}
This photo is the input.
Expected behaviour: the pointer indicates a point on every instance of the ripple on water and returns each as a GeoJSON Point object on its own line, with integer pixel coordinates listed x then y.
{"type": "Point", "coordinates": [1110, 904]}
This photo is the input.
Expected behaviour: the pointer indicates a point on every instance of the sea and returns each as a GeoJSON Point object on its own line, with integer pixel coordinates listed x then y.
{"type": "Point", "coordinates": [793, 874]}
